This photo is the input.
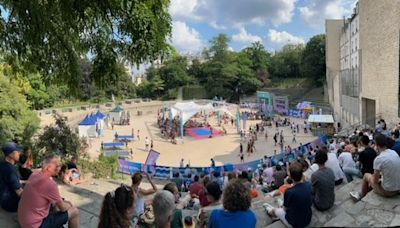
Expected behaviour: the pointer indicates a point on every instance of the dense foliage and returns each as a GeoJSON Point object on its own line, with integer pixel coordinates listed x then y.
{"type": "Point", "coordinates": [59, 138]}
{"type": "Point", "coordinates": [17, 122]}
{"type": "Point", "coordinates": [221, 72]}
{"type": "Point", "coordinates": [52, 36]}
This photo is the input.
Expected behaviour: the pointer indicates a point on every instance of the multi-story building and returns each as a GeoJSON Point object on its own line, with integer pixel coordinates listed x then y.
{"type": "Point", "coordinates": [362, 63]}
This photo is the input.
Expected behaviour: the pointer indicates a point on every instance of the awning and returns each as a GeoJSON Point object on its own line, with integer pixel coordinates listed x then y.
{"type": "Point", "coordinates": [321, 119]}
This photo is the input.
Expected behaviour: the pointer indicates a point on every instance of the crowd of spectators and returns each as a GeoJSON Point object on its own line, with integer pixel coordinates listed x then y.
{"type": "Point", "coordinates": [220, 200]}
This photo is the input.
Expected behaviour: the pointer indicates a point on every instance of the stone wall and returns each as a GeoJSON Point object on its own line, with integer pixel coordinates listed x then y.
{"type": "Point", "coordinates": [379, 42]}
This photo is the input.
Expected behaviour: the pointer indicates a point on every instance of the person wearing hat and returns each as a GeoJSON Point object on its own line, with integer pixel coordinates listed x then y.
{"type": "Point", "coordinates": [10, 186]}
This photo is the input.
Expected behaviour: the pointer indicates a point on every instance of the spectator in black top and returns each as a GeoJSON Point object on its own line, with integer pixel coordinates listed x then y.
{"type": "Point", "coordinates": [25, 163]}
{"type": "Point", "coordinates": [367, 156]}
{"type": "Point", "coordinates": [396, 137]}
{"type": "Point", "coordinates": [296, 210]}
{"type": "Point", "coordinates": [323, 183]}
{"type": "Point", "coordinates": [72, 163]}
{"type": "Point", "coordinates": [10, 186]}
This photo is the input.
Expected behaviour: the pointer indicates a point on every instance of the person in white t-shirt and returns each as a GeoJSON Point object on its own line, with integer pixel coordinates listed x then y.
{"type": "Point", "coordinates": [333, 163]}
{"type": "Point", "coordinates": [348, 165]}
{"type": "Point", "coordinates": [386, 179]}
{"type": "Point", "coordinates": [147, 143]}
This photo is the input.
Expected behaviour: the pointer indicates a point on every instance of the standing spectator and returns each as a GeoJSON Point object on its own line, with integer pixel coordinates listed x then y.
{"type": "Point", "coordinates": [138, 135]}
{"type": "Point", "coordinates": [279, 176]}
{"type": "Point", "coordinates": [118, 208]}
{"type": "Point", "coordinates": [164, 207]}
{"type": "Point", "coordinates": [213, 195]}
{"type": "Point", "coordinates": [146, 143]}
{"type": "Point", "coordinates": [387, 166]}
{"type": "Point", "coordinates": [212, 163]}
{"type": "Point", "coordinates": [10, 186]}
{"type": "Point", "coordinates": [236, 212]}
{"type": "Point", "coordinates": [367, 156]}
{"type": "Point", "coordinates": [296, 210]}
{"type": "Point", "coordinates": [323, 183]}
{"type": "Point", "coordinates": [151, 144]}
{"type": "Point", "coordinates": [139, 193]}
{"type": "Point", "coordinates": [40, 193]}
{"type": "Point", "coordinates": [348, 165]}
{"type": "Point", "coordinates": [26, 163]}
{"type": "Point", "coordinates": [182, 164]}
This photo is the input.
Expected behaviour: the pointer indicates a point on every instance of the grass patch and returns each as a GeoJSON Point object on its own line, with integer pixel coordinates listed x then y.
{"type": "Point", "coordinates": [288, 83]}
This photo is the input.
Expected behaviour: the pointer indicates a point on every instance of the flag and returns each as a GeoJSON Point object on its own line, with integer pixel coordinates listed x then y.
{"type": "Point", "coordinates": [151, 160]}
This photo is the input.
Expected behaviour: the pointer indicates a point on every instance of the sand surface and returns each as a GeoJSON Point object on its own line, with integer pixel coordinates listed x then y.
{"type": "Point", "coordinates": [223, 149]}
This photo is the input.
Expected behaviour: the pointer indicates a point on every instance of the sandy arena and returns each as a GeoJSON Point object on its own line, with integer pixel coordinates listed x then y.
{"type": "Point", "coordinates": [224, 149]}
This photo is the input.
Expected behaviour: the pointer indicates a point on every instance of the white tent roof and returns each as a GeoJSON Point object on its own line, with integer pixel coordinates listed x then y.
{"type": "Point", "coordinates": [321, 119]}
{"type": "Point", "coordinates": [188, 109]}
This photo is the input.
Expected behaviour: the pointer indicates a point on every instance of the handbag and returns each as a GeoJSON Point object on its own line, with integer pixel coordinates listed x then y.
{"type": "Point", "coordinates": [147, 218]}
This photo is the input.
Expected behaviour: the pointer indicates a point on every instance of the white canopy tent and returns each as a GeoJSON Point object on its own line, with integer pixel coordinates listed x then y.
{"type": "Point", "coordinates": [321, 119]}
{"type": "Point", "coordinates": [187, 110]}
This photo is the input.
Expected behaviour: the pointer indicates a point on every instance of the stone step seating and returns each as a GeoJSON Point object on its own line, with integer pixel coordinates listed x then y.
{"type": "Point", "coordinates": [372, 210]}
{"type": "Point", "coordinates": [88, 197]}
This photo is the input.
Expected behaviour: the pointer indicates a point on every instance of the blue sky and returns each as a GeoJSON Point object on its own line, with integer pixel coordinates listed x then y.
{"type": "Point", "coordinates": [273, 22]}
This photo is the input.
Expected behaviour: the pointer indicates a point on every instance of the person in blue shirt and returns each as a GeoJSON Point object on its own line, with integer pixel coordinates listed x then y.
{"type": "Point", "coordinates": [297, 201]}
{"type": "Point", "coordinates": [235, 213]}
{"type": "Point", "coordinates": [10, 186]}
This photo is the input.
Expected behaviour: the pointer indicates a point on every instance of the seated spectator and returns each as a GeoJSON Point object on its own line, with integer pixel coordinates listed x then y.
{"type": "Point", "coordinates": [10, 186]}
{"type": "Point", "coordinates": [396, 137]}
{"type": "Point", "coordinates": [268, 173]}
{"type": "Point", "coordinates": [118, 208]}
{"type": "Point", "coordinates": [236, 212]}
{"type": "Point", "coordinates": [194, 189]}
{"type": "Point", "coordinates": [279, 176]}
{"type": "Point", "coordinates": [177, 218]}
{"type": "Point", "coordinates": [40, 193]}
{"type": "Point", "coordinates": [387, 167]}
{"type": "Point", "coordinates": [282, 189]}
{"type": "Point", "coordinates": [307, 169]}
{"type": "Point", "coordinates": [26, 164]}
{"type": "Point", "coordinates": [333, 164]}
{"type": "Point", "coordinates": [297, 201]}
{"type": "Point", "coordinates": [348, 165]}
{"type": "Point", "coordinates": [76, 174]}
{"type": "Point", "coordinates": [203, 193]}
{"type": "Point", "coordinates": [164, 207]}
{"type": "Point", "coordinates": [213, 195]}
{"type": "Point", "coordinates": [323, 183]}
{"type": "Point", "coordinates": [178, 181]}
{"type": "Point", "coordinates": [366, 157]}
{"type": "Point", "coordinates": [139, 193]}
{"type": "Point", "coordinates": [66, 176]}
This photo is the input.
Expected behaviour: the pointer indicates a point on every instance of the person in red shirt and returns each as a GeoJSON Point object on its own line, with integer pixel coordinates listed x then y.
{"type": "Point", "coordinates": [195, 187]}
{"type": "Point", "coordinates": [40, 194]}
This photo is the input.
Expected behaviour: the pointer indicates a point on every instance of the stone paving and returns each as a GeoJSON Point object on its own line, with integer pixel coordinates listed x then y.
{"type": "Point", "coordinates": [372, 210]}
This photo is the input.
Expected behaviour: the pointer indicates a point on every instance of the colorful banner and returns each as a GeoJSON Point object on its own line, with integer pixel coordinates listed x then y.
{"type": "Point", "coordinates": [165, 172]}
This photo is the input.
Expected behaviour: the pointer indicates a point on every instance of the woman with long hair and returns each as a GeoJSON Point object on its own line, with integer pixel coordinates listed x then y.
{"type": "Point", "coordinates": [118, 208]}
{"type": "Point", "coordinates": [26, 163]}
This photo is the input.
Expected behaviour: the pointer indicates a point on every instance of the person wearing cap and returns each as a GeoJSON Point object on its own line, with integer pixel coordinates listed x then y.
{"type": "Point", "coordinates": [10, 185]}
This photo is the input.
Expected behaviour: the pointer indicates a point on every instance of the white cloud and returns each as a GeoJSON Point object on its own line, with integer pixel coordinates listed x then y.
{"type": "Point", "coordinates": [225, 13]}
{"type": "Point", "coordinates": [282, 38]}
{"type": "Point", "coordinates": [184, 38]}
{"type": "Point", "coordinates": [245, 38]}
{"type": "Point", "coordinates": [316, 11]}
{"type": "Point", "coordinates": [183, 9]}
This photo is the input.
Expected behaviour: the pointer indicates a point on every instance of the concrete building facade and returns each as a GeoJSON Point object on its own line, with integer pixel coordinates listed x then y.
{"type": "Point", "coordinates": [368, 83]}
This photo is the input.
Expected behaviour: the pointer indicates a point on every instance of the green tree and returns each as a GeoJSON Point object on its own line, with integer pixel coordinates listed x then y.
{"type": "Point", "coordinates": [313, 59]}
{"type": "Point", "coordinates": [51, 36]}
{"type": "Point", "coordinates": [61, 139]}
{"type": "Point", "coordinates": [260, 60]}
{"type": "Point", "coordinates": [174, 73]}
{"type": "Point", "coordinates": [286, 63]}
{"type": "Point", "coordinates": [16, 120]}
